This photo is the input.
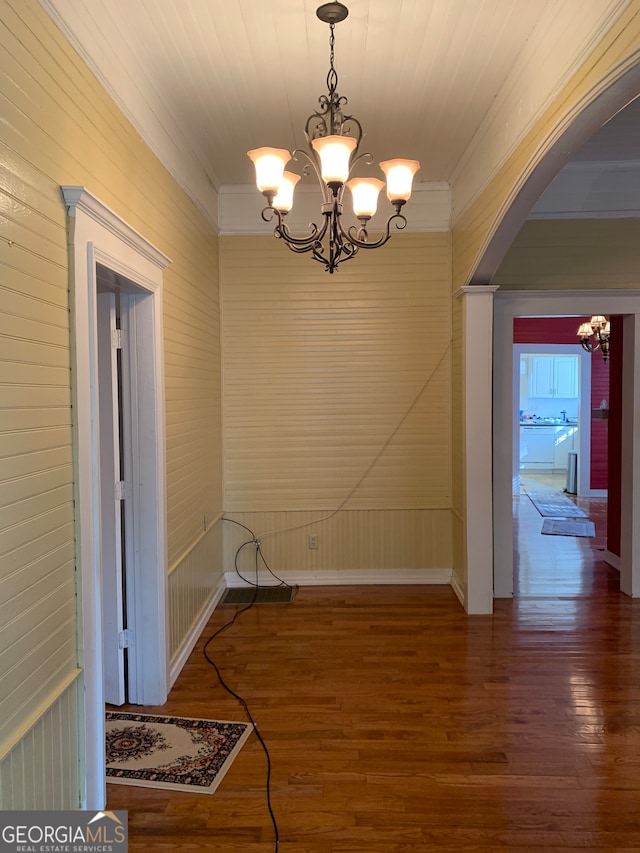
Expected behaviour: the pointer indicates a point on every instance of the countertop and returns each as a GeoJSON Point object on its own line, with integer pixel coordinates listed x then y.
{"type": "Point", "coordinates": [543, 423]}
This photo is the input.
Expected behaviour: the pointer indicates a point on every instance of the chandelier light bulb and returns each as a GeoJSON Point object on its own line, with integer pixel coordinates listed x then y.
{"type": "Point", "coordinates": [284, 197]}
{"type": "Point", "coordinates": [269, 163]}
{"type": "Point", "coordinates": [334, 153]}
{"type": "Point", "coordinates": [399, 175]}
{"type": "Point", "coordinates": [364, 192]}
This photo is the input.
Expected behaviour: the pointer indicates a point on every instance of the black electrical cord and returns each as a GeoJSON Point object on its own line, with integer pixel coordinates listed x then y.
{"type": "Point", "coordinates": [225, 686]}
{"type": "Point", "coordinates": [254, 541]}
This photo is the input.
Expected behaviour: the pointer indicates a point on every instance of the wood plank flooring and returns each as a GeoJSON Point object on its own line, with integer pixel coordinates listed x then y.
{"type": "Point", "coordinates": [395, 723]}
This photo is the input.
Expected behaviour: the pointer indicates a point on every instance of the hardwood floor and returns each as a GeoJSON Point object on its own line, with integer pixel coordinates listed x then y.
{"type": "Point", "coordinates": [395, 723]}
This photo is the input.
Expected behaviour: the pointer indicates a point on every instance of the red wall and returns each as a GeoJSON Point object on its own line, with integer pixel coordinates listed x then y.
{"type": "Point", "coordinates": [562, 330]}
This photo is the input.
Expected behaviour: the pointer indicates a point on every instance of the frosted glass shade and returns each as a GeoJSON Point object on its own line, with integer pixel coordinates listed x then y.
{"type": "Point", "coordinates": [364, 192]}
{"type": "Point", "coordinates": [269, 163]}
{"type": "Point", "coordinates": [335, 153]}
{"type": "Point", "coordinates": [284, 198]}
{"type": "Point", "coordinates": [399, 175]}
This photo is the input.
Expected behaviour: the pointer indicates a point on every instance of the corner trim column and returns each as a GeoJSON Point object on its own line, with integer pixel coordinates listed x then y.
{"type": "Point", "coordinates": [477, 414]}
{"type": "Point", "coordinates": [630, 483]}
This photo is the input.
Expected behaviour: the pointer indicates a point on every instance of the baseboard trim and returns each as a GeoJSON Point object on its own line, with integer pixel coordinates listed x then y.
{"type": "Point", "coordinates": [456, 585]}
{"type": "Point", "coordinates": [611, 559]}
{"type": "Point", "coordinates": [348, 577]}
{"type": "Point", "coordinates": [187, 646]}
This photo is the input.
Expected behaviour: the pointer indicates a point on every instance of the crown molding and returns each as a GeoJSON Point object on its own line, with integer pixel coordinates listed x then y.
{"type": "Point", "coordinates": [239, 207]}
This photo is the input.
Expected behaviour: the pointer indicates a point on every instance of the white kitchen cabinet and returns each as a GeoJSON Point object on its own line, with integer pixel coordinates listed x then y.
{"type": "Point", "coordinates": [537, 446]}
{"type": "Point", "coordinates": [546, 448]}
{"type": "Point", "coordinates": [565, 439]}
{"type": "Point", "coordinates": [553, 376]}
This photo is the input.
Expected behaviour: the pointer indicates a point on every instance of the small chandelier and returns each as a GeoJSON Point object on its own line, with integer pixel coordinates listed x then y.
{"type": "Point", "coordinates": [599, 329]}
{"type": "Point", "coordinates": [334, 141]}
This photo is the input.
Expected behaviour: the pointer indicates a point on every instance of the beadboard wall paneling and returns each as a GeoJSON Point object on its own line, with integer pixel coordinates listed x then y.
{"type": "Point", "coordinates": [473, 229]}
{"type": "Point", "coordinates": [347, 541]}
{"type": "Point", "coordinates": [41, 769]}
{"type": "Point", "coordinates": [59, 127]}
{"type": "Point", "coordinates": [191, 582]}
{"type": "Point", "coordinates": [336, 394]}
{"type": "Point", "coordinates": [573, 254]}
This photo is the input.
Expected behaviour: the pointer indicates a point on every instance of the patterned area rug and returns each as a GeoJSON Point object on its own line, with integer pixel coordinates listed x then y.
{"type": "Point", "coordinates": [555, 504]}
{"type": "Point", "coordinates": [568, 527]}
{"type": "Point", "coordinates": [178, 753]}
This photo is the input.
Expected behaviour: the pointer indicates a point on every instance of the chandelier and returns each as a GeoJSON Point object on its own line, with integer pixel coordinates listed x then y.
{"type": "Point", "coordinates": [599, 329]}
{"type": "Point", "coordinates": [333, 139]}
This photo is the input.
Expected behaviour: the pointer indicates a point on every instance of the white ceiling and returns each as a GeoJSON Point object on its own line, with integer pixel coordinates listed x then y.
{"type": "Point", "coordinates": [206, 80]}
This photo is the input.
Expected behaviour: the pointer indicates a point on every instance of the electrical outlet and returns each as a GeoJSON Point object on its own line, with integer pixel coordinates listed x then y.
{"type": "Point", "coordinates": [313, 540]}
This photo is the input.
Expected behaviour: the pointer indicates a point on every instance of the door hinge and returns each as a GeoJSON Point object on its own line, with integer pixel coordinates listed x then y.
{"type": "Point", "coordinates": [125, 639]}
{"type": "Point", "coordinates": [121, 490]}
{"type": "Point", "coordinates": [118, 338]}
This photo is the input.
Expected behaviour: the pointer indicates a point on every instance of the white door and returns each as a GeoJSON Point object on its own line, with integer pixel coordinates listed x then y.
{"type": "Point", "coordinates": [111, 494]}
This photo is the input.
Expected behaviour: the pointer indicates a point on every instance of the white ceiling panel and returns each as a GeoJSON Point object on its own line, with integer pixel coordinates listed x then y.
{"type": "Point", "coordinates": [206, 80]}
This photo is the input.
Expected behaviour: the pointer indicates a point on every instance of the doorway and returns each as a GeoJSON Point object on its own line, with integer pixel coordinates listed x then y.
{"type": "Point", "coordinates": [118, 303]}
{"type": "Point", "coordinates": [508, 306]}
{"type": "Point", "coordinates": [102, 243]}
{"type": "Point", "coordinates": [552, 411]}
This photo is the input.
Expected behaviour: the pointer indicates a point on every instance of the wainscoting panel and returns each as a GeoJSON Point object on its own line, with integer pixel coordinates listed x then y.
{"type": "Point", "coordinates": [347, 541]}
{"type": "Point", "coordinates": [193, 582]}
{"type": "Point", "coordinates": [39, 768]}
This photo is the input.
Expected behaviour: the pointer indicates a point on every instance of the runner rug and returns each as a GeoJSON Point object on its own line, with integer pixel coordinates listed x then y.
{"type": "Point", "coordinates": [568, 527]}
{"type": "Point", "coordinates": [555, 504]}
{"type": "Point", "coordinates": [178, 753]}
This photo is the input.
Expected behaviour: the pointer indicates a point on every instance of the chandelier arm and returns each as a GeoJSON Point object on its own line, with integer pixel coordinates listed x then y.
{"type": "Point", "coordinates": [366, 157]}
{"type": "Point", "coordinates": [312, 160]}
{"type": "Point", "coordinates": [358, 136]}
{"type": "Point", "coordinates": [589, 347]}
{"type": "Point", "coordinates": [358, 237]}
{"type": "Point", "coordinates": [281, 230]}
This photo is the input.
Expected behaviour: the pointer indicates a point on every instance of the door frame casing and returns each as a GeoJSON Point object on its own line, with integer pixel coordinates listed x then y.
{"type": "Point", "coordinates": [98, 235]}
{"type": "Point", "coordinates": [507, 306]}
{"type": "Point", "coordinates": [584, 415]}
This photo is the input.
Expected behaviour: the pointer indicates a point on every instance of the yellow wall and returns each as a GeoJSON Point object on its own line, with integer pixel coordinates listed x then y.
{"type": "Point", "coordinates": [617, 52]}
{"type": "Point", "coordinates": [342, 394]}
{"type": "Point", "coordinates": [59, 127]}
{"type": "Point", "coordinates": [337, 397]}
{"type": "Point", "coordinates": [573, 254]}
